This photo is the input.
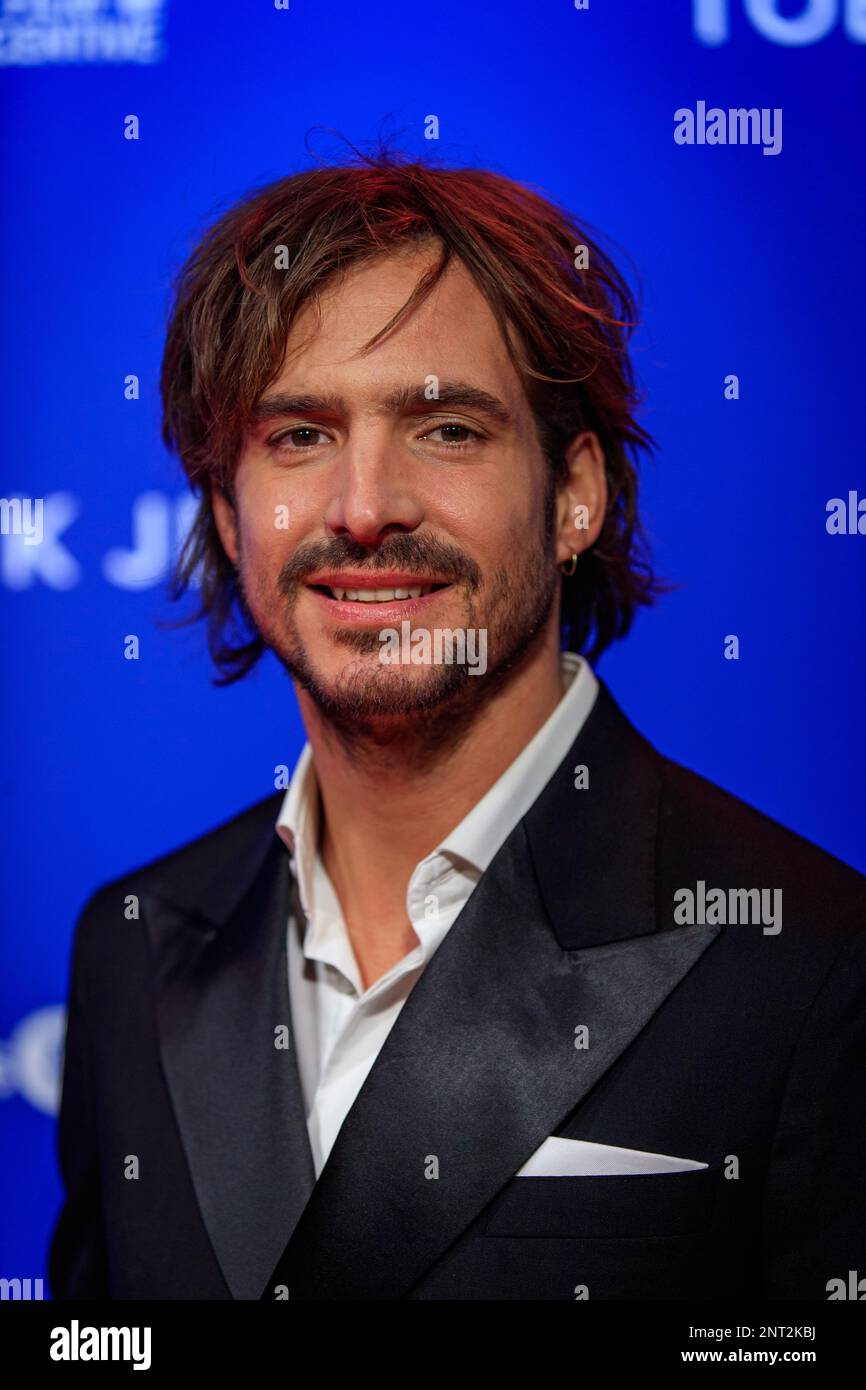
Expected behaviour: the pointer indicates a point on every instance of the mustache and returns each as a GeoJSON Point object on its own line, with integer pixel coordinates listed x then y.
{"type": "Point", "coordinates": [420, 555]}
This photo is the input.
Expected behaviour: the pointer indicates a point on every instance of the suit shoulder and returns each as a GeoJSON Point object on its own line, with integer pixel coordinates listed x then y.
{"type": "Point", "coordinates": [197, 871]}
{"type": "Point", "coordinates": [724, 839]}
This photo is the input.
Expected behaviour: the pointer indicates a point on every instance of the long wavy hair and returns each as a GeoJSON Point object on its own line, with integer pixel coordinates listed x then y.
{"type": "Point", "coordinates": [565, 311]}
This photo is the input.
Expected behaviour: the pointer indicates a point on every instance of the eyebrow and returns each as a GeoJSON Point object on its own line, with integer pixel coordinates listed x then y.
{"type": "Point", "coordinates": [405, 400]}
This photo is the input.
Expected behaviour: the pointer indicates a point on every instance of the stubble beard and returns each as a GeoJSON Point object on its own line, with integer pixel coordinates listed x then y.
{"type": "Point", "coordinates": [373, 707]}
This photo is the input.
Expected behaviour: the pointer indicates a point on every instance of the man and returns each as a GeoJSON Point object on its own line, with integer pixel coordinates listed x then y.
{"type": "Point", "coordinates": [495, 1001]}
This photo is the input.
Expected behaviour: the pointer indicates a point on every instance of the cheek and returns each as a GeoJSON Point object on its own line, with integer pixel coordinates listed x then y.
{"type": "Point", "coordinates": [515, 531]}
{"type": "Point", "coordinates": [501, 507]}
{"type": "Point", "coordinates": [481, 519]}
{"type": "Point", "coordinates": [260, 546]}
{"type": "Point", "coordinates": [265, 523]}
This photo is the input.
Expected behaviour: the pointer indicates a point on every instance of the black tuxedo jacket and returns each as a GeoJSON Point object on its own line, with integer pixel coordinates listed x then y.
{"type": "Point", "coordinates": [182, 1137]}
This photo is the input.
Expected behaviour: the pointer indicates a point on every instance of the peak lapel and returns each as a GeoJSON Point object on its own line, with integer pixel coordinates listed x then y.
{"type": "Point", "coordinates": [222, 992]}
{"type": "Point", "coordinates": [481, 1064]}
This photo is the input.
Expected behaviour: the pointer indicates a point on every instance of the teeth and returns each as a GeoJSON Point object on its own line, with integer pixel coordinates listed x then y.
{"type": "Point", "coordinates": [381, 595]}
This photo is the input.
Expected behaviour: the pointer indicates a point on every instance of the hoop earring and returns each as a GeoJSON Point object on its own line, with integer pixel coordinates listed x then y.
{"type": "Point", "coordinates": [572, 562]}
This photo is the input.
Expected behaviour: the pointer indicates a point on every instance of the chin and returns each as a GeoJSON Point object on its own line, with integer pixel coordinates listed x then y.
{"type": "Point", "coordinates": [376, 694]}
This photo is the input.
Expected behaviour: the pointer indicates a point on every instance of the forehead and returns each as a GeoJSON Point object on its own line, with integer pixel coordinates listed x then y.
{"type": "Point", "coordinates": [451, 333]}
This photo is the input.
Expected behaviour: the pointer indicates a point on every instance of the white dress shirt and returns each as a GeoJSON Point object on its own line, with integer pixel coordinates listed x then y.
{"type": "Point", "coordinates": [339, 1027]}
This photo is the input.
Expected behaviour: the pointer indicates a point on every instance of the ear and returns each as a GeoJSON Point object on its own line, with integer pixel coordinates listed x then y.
{"type": "Point", "coordinates": [582, 497]}
{"type": "Point", "coordinates": [226, 523]}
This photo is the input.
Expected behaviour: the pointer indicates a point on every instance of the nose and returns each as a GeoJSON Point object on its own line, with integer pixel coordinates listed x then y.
{"type": "Point", "coordinates": [373, 494]}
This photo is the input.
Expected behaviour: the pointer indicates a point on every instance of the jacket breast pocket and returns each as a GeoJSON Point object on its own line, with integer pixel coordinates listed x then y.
{"type": "Point", "coordinates": [627, 1206]}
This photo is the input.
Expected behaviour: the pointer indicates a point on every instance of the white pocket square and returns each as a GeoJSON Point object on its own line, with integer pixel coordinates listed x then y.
{"type": "Point", "coordinates": [577, 1158]}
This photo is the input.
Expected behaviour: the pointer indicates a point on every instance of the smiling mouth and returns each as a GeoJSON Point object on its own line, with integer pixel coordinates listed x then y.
{"type": "Point", "coordinates": [383, 595]}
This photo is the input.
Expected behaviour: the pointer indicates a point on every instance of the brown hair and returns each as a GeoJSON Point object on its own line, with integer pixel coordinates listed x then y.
{"type": "Point", "coordinates": [233, 310]}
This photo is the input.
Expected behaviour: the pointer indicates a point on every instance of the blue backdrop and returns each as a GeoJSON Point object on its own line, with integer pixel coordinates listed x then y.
{"type": "Point", "coordinates": [752, 264]}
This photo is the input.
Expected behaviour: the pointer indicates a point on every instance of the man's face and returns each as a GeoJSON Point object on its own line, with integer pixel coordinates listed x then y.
{"type": "Point", "coordinates": [358, 478]}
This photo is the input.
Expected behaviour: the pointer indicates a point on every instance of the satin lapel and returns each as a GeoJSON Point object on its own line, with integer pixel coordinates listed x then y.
{"type": "Point", "coordinates": [222, 996]}
{"type": "Point", "coordinates": [480, 1067]}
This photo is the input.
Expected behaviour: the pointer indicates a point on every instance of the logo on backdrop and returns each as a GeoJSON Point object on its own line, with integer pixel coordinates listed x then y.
{"type": "Point", "coordinates": [34, 546]}
{"type": "Point", "coordinates": [813, 21]}
{"type": "Point", "coordinates": [37, 33]}
{"type": "Point", "coordinates": [30, 1060]}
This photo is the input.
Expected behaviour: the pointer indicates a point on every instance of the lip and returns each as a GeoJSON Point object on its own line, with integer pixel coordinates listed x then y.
{"type": "Point", "coordinates": [381, 579]}
{"type": "Point", "coordinates": [385, 614]}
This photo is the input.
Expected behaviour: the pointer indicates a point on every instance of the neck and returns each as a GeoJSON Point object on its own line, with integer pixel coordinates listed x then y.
{"type": "Point", "coordinates": [385, 805]}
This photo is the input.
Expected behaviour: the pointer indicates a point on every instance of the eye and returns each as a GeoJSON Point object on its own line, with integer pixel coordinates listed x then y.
{"type": "Point", "coordinates": [297, 445]}
{"type": "Point", "coordinates": [451, 442]}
